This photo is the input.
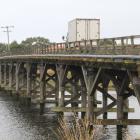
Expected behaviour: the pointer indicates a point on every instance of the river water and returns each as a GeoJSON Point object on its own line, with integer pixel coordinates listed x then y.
{"type": "Point", "coordinates": [21, 123]}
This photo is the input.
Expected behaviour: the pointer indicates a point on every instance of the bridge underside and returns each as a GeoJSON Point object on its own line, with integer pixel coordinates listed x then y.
{"type": "Point", "coordinates": [74, 86]}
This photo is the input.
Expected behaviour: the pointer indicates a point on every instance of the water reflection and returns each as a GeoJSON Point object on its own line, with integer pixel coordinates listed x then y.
{"type": "Point", "coordinates": [20, 123]}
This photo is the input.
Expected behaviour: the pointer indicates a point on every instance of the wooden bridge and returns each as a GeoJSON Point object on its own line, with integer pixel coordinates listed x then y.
{"type": "Point", "coordinates": [71, 75]}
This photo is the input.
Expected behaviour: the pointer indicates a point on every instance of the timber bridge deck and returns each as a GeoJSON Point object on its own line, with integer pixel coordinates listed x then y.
{"type": "Point", "coordinates": [71, 75]}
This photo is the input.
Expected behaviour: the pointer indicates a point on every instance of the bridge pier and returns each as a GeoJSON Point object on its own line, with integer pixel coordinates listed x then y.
{"type": "Point", "coordinates": [83, 99]}
{"type": "Point", "coordinates": [10, 77]}
{"type": "Point", "coordinates": [61, 71]}
{"type": "Point", "coordinates": [29, 83]}
{"type": "Point", "coordinates": [119, 116]}
{"type": "Point", "coordinates": [126, 107]}
{"type": "Point", "coordinates": [43, 69]}
{"type": "Point", "coordinates": [105, 90]}
{"type": "Point", "coordinates": [135, 79]}
{"type": "Point", "coordinates": [5, 74]}
{"type": "Point", "coordinates": [91, 79]}
{"type": "Point", "coordinates": [74, 85]}
{"type": "Point", "coordinates": [17, 74]}
{"type": "Point", "coordinates": [34, 76]}
{"type": "Point", "coordinates": [0, 75]}
{"type": "Point", "coordinates": [56, 89]}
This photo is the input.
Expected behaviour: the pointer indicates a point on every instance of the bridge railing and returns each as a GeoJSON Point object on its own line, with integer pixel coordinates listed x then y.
{"type": "Point", "coordinates": [127, 45]}
{"type": "Point", "coordinates": [120, 45]}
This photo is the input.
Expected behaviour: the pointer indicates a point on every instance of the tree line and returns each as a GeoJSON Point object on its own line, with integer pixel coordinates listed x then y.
{"type": "Point", "coordinates": [28, 42]}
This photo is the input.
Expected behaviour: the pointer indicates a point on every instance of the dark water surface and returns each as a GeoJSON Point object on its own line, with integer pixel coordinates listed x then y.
{"type": "Point", "coordinates": [21, 123]}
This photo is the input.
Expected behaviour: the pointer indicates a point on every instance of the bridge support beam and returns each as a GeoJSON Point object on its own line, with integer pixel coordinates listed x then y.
{"type": "Point", "coordinates": [83, 98]}
{"type": "Point", "coordinates": [121, 83]}
{"type": "Point", "coordinates": [119, 115]}
{"type": "Point", "coordinates": [10, 77]}
{"type": "Point", "coordinates": [0, 75]}
{"type": "Point", "coordinates": [29, 80]}
{"type": "Point", "coordinates": [56, 89]}
{"type": "Point", "coordinates": [23, 78]}
{"type": "Point", "coordinates": [61, 71]}
{"type": "Point", "coordinates": [74, 85]}
{"type": "Point", "coordinates": [135, 80]}
{"type": "Point", "coordinates": [18, 65]}
{"type": "Point", "coordinates": [34, 77]}
{"type": "Point", "coordinates": [105, 90]}
{"type": "Point", "coordinates": [91, 79]}
{"type": "Point", "coordinates": [43, 69]}
{"type": "Point", "coordinates": [5, 74]}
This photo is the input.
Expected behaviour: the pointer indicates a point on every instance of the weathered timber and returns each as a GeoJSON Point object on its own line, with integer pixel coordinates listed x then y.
{"type": "Point", "coordinates": [43, 69]}
{"type": "Point", "coordinates": [61, 71]}
{"type": "Point", "coordinates": [83, 98]}
{"type": "Point", "coordinates": [0, 74]}
{"type": "Point", "coordinates": [117, 122]}
{"type": "Point", "coordinates": [72, 99]}
{"type": "Point", "coordinates": [135, 80]}
{"type": "Point", "coordinates": [82, 109]}
{"type": "Point", "coordinates": [5, 74]}
{"type": "Point", "coordinates": [18, 65]}
{"type": "Point", "coordinates": [106, 108]}
{"type": "Point", "coordinates": [74, 91]}
{"type": "Point", "coordinates": [104, 96]}
{"type": "Point", "coordinates": [91, 79]}
{"type": "Point", "coordinates": [10, 75]}
{"type": "Point", "coordinates": [104, 91]}
{"type": "Point", "coordinates": [29, 83]}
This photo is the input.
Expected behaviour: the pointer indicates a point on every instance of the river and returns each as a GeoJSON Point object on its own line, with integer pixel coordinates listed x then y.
{"type": "Point", "coordinates": [20, 123]}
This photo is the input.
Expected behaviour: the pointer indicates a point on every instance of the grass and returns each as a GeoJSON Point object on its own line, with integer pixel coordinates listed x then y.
{"type": "Point", "coordinates": [78, 129]}
{"type": "Point", "coordinates": [81, 129]}
{"type": "Point", "coordinates": [126, 135]}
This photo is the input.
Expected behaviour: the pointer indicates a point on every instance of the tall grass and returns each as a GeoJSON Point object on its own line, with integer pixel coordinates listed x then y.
{"type": "Point", "coordinates": [78, 129]}
{"type": "Point", "coordinates": [126, 135]}
{"type": "Point", "coordinates": [81, 129]}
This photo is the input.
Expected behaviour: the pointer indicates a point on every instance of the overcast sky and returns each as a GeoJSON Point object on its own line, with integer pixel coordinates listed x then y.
{"type": "Point", "coordinates": [49, 18]}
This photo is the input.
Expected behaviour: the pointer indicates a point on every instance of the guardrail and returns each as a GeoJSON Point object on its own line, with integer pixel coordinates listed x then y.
{"type": "Point", "coordinates": [127, 45]}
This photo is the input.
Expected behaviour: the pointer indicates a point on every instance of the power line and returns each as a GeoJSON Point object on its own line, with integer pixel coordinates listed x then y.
{"type": "Point", "coordinates": [8, 36]}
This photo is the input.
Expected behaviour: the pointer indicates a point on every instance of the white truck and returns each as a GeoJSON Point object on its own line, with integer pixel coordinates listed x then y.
{"type": "Point", "coordinates": [83, 29]}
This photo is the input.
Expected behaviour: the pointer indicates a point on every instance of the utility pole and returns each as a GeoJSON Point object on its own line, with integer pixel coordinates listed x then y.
{"type": "Point", "coordinates": [8, 37]}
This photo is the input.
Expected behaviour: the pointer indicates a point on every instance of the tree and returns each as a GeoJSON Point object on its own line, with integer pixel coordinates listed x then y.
{"type": "Point", "coordinates": [3, 47]}
{"type": "Point", "coordinates": [14, 44]}
{"type": "Point", "coordinates": [35, 41]}
{"type": "Point", "coordinates": [25, 45]}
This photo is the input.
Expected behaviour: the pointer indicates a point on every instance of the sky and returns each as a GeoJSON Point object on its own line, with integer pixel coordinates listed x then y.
{"type": "Point", "coordinates": [49, 18]}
